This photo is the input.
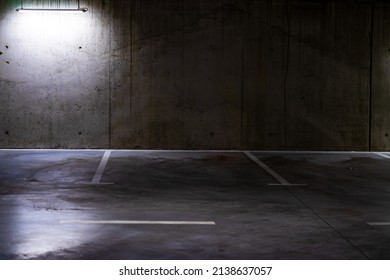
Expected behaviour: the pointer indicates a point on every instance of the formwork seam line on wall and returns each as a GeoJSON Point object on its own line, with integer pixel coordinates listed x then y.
{"type": "Point", "coordinates": [109, 74]}
{"type": "Point", "coordinates": [286, 75]}
{"type": "Point", "coordinates": [371, 79]}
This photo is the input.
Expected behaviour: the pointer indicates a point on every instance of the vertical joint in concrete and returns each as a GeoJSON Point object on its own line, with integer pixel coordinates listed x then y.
{"type": "Point", "coordinates": [370, 78]}
{"type": "Point", "coordinates": [286, 75]}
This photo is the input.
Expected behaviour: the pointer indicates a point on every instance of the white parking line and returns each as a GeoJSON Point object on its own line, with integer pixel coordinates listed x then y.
{"type": "Point", "coordinates": [102, 166]}
{"type": "Point", "coordinates": [276, 176]}
{"type": "Point", "coordinates": [91, 183]}
{"type": "Point", "coordinates": [382, 155]}
{"type": "Point", "coordinates": [125, 222]}
{"type": "Point", "coordinates": [379, 223]}
{"type": "Point", "coordinates": [99, 172]}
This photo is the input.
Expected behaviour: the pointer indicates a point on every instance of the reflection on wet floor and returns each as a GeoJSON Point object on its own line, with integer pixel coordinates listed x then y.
{"type": "Point", "coordinates": [328, 218]}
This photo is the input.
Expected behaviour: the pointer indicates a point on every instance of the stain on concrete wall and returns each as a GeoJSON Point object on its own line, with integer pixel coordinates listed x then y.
{"type": "Point", "coordinates": [208, 74]}
{"type": "Point", "coordinates": [328, 80]}
{"type": "Point", "coordinates": [186, 72]}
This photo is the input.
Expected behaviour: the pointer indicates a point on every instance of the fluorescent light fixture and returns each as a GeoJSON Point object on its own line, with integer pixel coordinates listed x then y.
{"type": "Point", "coordinates": [24, 10]}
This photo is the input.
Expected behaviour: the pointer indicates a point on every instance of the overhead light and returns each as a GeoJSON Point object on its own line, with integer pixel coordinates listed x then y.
{"type": "Point", "coordinates": [24, 10]}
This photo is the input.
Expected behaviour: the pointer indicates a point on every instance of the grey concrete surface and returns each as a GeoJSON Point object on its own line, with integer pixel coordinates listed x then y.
{"type": "Point", "coordinates": [209, 74]}
{"type": "Point", "coordinates": [380, 81]}
{"type": "Point", "coordinates": [327, 218]}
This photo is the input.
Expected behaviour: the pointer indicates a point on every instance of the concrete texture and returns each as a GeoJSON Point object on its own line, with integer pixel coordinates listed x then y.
{"type": "Point", "coordinates": [220, 74]}
{"type": "Point", "coordinates": [380, 78]}
{"type": "Point", "coordinates": [325, 219]}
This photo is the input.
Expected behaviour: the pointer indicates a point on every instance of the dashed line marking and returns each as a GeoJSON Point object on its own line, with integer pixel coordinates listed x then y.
{"type": "Point", "coordinates": [378, 223]}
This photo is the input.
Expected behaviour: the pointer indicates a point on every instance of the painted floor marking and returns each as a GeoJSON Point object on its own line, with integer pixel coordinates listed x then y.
{"type": "Point", "coordinates": [99, 172]}
{"type": "Point", "coordinates": [379, 223]}
{"type": "Point", "coordinates": [124, 222]}
{"type": "Point", "coordinates": [91, 183]}
{"type": "Point", "coordinates": [276, 176]}
{"type": "Point", "coordinates": [383, 155]}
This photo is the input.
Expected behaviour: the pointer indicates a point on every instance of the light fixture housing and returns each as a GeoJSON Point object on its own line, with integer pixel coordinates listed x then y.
{"type": "Point", "coordinates": [24, 10]}
{"type": "Point", "coordinates": [79, 9]}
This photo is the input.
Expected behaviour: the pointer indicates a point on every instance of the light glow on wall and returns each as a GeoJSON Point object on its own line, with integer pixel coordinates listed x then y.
{"type": "Point", "coordinates": [58, 7]}
{"type": "Point", "coordinates": [40, 26]}
{"type": "Point", "coordinates": [44, 44]}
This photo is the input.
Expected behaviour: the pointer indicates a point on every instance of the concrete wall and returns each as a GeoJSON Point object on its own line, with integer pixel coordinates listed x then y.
{"type": "Point", "coordinates": [207, 74]}
{"type": "Point", "coordinates": [54, 78]}
{"type": "Point", "coordinates": [381, 78]}
{"type": "Point", "coordinates": [306, 75]}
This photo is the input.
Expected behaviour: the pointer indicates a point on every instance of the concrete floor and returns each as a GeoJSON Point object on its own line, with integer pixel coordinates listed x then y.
{"type": "Point", "coordinates": [49, 207]}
